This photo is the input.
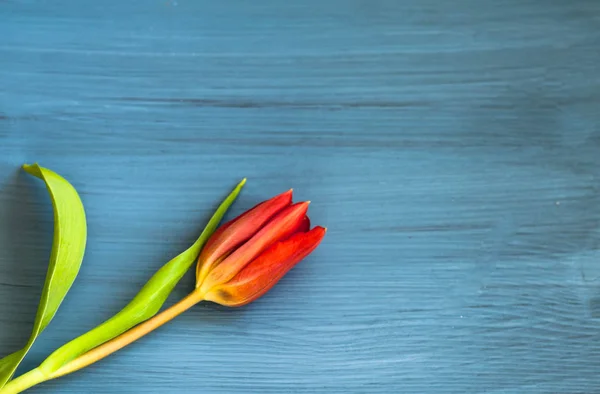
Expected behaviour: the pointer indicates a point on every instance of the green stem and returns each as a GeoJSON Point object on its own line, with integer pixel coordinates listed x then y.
{"type": "Point", "coordinates": [23, 382]}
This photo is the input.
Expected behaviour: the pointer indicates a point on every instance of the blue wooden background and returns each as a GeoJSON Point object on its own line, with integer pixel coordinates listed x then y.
{"type": "Point", "coordinates": [452, 148]}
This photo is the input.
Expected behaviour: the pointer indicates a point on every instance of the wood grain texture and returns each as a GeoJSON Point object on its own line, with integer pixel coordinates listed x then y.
{"type": "Point", "coordinates": [452, 148]}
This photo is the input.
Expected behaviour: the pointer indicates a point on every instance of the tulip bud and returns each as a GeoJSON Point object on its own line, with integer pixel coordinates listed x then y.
{"type": "Point", "coordinates": [233, 233]}
{"type": "Point", "coordinates": [260, 275]}
{"type": "Point", "coordinates": [249, 254]}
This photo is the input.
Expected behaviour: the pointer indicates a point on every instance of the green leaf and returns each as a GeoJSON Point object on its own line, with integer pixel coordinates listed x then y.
{"type": "Point", "coordinates": [145, 304]}
{"type": "Point", "coordinates": [9, 363]}
{"type": "Point", "coordinates": [68, 247]}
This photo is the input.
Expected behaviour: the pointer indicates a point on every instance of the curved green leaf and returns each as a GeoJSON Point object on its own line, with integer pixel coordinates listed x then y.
{"type": "Point", "coordinates": [68, 247]}
{"type": "Point", "coordinates": [146, 303]}
{"type": "Point", "coordinates": [9, 363]}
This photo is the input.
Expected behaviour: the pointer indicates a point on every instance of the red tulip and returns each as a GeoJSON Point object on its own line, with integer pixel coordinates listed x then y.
{"type": "Point", "coordinates": [247, 256]}
{"type": "Point", "coordinates": [233, 233]}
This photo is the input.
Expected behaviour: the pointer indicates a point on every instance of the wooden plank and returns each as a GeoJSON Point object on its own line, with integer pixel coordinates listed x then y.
{"type": "Point", "coordinates": [451, 148]}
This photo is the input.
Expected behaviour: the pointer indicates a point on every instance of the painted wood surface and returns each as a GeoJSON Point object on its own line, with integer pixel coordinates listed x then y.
{"type": "Point", "coordinates": [452, 148]}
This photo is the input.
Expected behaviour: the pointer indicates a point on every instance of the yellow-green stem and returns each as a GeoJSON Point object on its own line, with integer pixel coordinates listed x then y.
{"type": "Point", "coordinates": [108, 348]}
{"type": "Point", "coordinates": [23, 382]}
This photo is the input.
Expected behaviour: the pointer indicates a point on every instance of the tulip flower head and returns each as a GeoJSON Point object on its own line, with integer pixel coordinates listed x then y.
{"type": "Point", "coordinates": [248, 255]}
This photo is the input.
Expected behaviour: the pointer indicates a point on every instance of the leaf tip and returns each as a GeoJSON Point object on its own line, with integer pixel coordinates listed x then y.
{"type": "Point", "coordinates": [33, 169]}
{"type": "Point", "coordinates": [240, 185]}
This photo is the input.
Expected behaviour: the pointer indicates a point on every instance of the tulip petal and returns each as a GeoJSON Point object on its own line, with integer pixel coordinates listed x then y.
{"type": "Point", "coordinates": [282, 226]}
{"type": "Point", "coordinates": [304, 226]}
{"type": "Point", "coordinates": [233, 233]}
{"type": "Point", "coordinates": [258, 277]}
